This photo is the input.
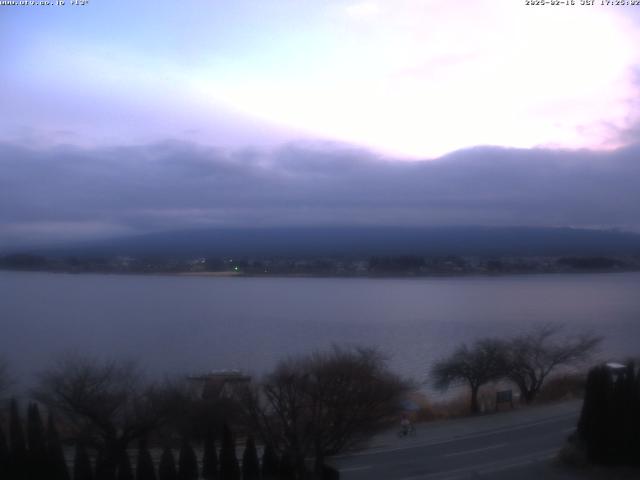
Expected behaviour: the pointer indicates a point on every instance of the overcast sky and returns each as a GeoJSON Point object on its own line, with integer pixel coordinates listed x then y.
{"type": "Point", "coordinates": [123, 117]}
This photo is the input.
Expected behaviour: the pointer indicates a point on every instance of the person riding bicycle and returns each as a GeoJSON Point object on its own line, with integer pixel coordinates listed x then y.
{"type": "Point", "coordinates": [405, 425]}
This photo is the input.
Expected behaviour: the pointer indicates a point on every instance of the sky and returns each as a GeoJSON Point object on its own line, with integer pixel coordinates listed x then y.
{"type": "Point", "coordinates": [122, 117]}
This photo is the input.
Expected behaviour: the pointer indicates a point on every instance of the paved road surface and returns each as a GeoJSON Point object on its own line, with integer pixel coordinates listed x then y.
{"type": "Point", "coordinates": [517, 444]}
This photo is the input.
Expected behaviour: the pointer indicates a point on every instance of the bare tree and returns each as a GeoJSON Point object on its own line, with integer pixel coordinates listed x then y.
{"type": "Point", "coordinates": [320, 404]}
{"type": "Point", "coordinates": [483, 362]}
{"type": "Point", "coordinates": [107, 402]}
{"type": "Point", "coordinates": [534, 355]}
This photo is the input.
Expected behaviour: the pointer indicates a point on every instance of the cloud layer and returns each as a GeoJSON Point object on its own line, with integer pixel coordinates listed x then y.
{"type": "Point", "coordinates": [410, 77]}
{"type": "Point", "coordinates": [66, 193]}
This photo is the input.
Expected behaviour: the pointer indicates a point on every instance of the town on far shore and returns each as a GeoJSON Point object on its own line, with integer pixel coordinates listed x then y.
{"type": "Point", "coordinates": [340, 266]}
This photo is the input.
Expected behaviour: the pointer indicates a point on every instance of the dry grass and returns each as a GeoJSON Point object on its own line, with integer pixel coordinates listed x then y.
{"type": "Point", "coordinates": [454, 407]}
{"type": "Point", "coordinates": [562, 387]}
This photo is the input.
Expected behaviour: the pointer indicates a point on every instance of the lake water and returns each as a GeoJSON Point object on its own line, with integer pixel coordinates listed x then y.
{"type": "Point", "coordinates": [174, 324]}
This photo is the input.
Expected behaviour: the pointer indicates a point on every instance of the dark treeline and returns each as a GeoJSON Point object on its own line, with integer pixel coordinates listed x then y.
{"type": "Point", "coordinates": [115, 425]}
{"type": "Point", "coordinates": [38, 455]}
{"type": "Point", "coordinates": [32, 451]}
{"type": "Point", "coordinates": [393, 265]}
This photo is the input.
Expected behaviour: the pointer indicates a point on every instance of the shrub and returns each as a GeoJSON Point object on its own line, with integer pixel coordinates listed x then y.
{"type": "Point", "coordinates": [610, 417]}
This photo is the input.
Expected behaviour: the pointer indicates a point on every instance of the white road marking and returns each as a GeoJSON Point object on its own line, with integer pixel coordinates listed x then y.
{"type": "Point", "coordinates": [497, 467]}
{"type": "Point", "coordinates": [460, 473]}
{"type": "Point", "coordinates": [466, 452]}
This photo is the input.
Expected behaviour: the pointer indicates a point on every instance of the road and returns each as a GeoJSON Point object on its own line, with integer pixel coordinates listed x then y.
{"type": "Point", "coordinates": [517, 444]}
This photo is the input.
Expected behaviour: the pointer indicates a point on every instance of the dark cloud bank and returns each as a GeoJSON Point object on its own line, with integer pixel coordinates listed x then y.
{"type": "Point", "coordinates": [71, 193]}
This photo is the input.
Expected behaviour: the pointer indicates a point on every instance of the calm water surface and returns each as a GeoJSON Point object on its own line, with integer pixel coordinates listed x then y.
{"type": "Point", "coordinates": [189, 324]}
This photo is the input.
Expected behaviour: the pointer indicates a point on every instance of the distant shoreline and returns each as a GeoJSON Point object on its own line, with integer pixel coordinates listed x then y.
{"type": "Point", "coordinates": [326, 276]}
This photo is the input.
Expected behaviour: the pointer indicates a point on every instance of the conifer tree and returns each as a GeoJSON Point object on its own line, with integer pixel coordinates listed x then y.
{"type": "Point", "coordinates": [167, 469]}
{"type": "Point", "coordinates": [81, 464]}
{"type": "Point", "coordinates": [4, 456]}
{"type": "Point", "coordinates": [55, 455]}
{"type": "Point", "coordinates": [187, 462]}
{"type": "Point", "coordinates": [593, 426]}
{"type": "Point", "coordinates": [609, 424]}
{"type": "Point", "coordinates": [124, 467]}
{"type": "Point", "coordinates": [99, 464]}
{"type": "Point", "coordinates": [287, 468]}
{"type": "Point", "coordinates": [623, 422]}
{"type": "Point", "coordinates": [270, 463]}
{"type": "Point", "coordinates": [630, 434]}
{"type": "Point", "coordinates": [37, 451]}
{"type": "Point", "coordinates": [619, 420]}
{"type": "Point", "coordinates": [210, 458]}
{"type": "Point", "coordinates": [104, 469]}
{"type": "Point", "coordinates": [144, 467]}
{"type": "Point", "coordinates": [18, 461]}
{"type": "Point", "coordinates": [35, 429]}
{"type": "Point", "coordinates": [229, 469]}
{"type": "Point", "coordinates": [635, 420]}
{"type": "Point", "coordinates": [250, 463]}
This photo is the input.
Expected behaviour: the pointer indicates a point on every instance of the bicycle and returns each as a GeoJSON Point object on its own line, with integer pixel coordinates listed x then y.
{"type": "Point", "coordinates": [407, 430]}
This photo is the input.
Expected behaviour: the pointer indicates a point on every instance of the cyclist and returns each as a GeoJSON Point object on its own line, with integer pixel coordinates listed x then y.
{"type": "Point", "coordinates": [405, 425]}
